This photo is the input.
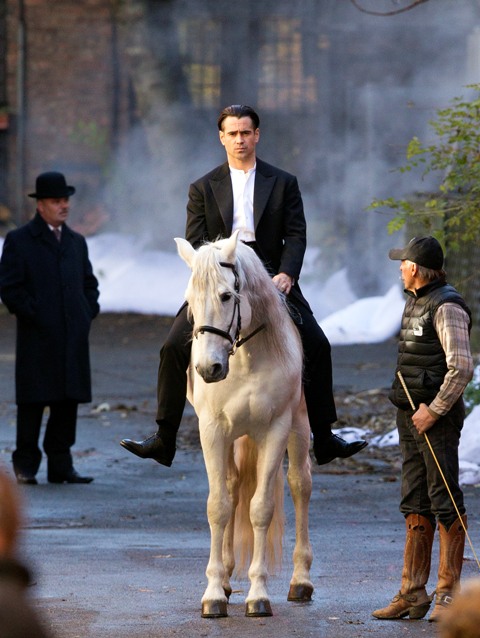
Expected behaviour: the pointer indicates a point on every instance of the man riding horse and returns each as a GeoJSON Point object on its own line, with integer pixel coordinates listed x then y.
{"type": "Point", "coordinates": [265, 204]}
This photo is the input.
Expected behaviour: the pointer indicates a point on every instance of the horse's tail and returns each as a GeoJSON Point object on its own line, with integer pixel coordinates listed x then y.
{"type": "Point", "coordinates": [246, 461]}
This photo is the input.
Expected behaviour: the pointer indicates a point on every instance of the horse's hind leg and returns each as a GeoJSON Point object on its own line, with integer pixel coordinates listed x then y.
{"type": "Point", "coordinates": [300, 482]}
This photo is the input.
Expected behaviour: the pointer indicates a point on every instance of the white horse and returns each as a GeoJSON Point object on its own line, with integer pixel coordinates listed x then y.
{"type": "Point", "coordinates": [245, 378]}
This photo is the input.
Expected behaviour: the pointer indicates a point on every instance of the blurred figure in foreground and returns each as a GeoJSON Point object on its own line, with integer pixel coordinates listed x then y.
{"type": "Point", "coordinates": [463, 617]}
{"type": "Point", "coordinates": [17, 616]}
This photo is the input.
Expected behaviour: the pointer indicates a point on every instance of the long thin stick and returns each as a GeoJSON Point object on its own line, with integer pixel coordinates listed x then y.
{"type": "Point", "coordinates": [404, 385]}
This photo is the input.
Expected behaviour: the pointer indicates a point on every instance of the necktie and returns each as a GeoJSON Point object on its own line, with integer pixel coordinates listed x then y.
{"type": "Point", "coordinates": [57, 233]}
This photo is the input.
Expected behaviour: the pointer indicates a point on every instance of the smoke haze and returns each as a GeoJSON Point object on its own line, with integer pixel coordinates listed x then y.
{"type": "Point", "coordinates": [378, 82]}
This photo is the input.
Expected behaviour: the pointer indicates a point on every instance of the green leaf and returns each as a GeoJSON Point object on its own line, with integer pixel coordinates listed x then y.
{"type": "Point", "coordinates": [454, 154]}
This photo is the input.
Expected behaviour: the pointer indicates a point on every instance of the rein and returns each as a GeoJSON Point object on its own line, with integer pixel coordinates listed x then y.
{"type": "Point", "coordinates": [235, 341]}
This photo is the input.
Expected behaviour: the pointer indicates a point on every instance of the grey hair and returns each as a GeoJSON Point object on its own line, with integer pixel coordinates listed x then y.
{"type": "Point", "coordinates": [429, 274]}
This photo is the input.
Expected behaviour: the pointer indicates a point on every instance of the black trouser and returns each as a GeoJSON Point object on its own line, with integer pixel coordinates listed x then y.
{"type": "Point", "coordinates": [59, 436]}
{"type": "Point", "coordinates": [423, 488]}
{"type": "Point", "coordinates": [318, 383]}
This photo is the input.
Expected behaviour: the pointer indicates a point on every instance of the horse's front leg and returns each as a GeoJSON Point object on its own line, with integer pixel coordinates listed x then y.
{"type": "Point", "coordinates": [300, 482]}
{"type": "Point", "coordinates": [228, 539]}
{"type": "Point", "coordinates": [270, 455]}
{"type": "Point", "coordinates": [219, 510]}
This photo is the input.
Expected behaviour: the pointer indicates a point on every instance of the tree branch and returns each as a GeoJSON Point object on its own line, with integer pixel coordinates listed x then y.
{"type": "Point", "coordinates": [387, 13]}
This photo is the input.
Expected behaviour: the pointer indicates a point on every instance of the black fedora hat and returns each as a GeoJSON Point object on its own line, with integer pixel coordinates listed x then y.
{"type": "Point", "coordinates": [51, 185]}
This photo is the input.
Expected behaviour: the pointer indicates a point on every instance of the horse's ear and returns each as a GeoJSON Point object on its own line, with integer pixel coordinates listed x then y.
{"type": "Point", "coordinates": [186, 251]}
{"type": "Point", "coordinates": [229, 249]}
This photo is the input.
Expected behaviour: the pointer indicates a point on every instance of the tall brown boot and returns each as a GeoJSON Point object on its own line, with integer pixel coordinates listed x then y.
{"type": "Point", "coordinates": [452, 544]}
{"type": "Point", "coordinates": [412, 599]}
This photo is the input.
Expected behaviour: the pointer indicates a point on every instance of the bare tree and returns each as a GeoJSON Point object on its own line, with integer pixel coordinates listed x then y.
{"type": "Point", "coordinates": [387, 13]}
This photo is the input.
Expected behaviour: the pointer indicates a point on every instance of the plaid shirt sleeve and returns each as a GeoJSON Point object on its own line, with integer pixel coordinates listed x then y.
{"type": "Point", "coordinates": [451, 324]}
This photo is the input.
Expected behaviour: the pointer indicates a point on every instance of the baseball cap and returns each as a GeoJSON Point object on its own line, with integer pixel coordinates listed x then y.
{"type": "Point", "coordinates": [424, 251]}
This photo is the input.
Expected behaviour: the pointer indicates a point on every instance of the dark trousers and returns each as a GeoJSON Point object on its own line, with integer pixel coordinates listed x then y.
{"type": "Point", "coordinates": [59, 436]}
{"type": "Point", "coordinates": [318, 384]}
{"type": "Point", "coordinates": [423, 489]}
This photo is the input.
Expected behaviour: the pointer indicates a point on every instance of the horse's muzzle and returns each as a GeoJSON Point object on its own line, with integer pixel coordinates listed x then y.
{"type": "Point", "coordinates": [214, 372]}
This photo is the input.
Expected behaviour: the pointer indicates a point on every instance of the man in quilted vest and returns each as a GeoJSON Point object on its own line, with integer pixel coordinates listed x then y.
{"type": "Point", "coordinates": [436, 364]}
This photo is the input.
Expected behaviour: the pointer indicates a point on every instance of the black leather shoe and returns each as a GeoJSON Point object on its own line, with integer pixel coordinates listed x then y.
{"type": "Point", "coordinates": [326, 450]}
{"type": "Point", "coordinates": [152, 448]}
{"type": "Point", "coordinates": [26, 479]}
{"type": "Point", "coordinates": [70, 477]}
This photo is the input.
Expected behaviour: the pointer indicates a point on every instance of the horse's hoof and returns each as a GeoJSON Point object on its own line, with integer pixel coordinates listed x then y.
{"type": "Point", "coordinates": [258, 608]}
{"type": "Point", "coordinates": [300, 593]}
{"type": "Point", "coordinates": [214, 609]}
{"type": "Point", "coordinates": [228, 592]}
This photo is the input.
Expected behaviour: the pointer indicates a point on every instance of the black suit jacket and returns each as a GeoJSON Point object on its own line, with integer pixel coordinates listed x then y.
{"type": "Point", "coordinates": [280, 227]}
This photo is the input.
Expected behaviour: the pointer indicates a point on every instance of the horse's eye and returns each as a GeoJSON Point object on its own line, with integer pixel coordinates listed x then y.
{"type": "Point", "coordinates": [225, 296]}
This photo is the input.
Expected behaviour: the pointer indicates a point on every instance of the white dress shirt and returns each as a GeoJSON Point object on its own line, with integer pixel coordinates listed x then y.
{"type": "Point", "coordinates": [242, 185]}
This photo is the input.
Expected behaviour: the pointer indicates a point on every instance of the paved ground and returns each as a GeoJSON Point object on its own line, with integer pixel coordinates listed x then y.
{"type": "Point", "coordinates": [125, 556]}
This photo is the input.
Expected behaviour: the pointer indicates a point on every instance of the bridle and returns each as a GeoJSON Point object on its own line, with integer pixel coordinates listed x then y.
{"type": "Point", "coordinates": [235, 341]}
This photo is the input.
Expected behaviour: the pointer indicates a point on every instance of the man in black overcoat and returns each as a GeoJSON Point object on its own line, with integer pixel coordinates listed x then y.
{"type": "Point", "coordinates": [264, 203]}
{"type": "Point", "coordinates": [47, 282]}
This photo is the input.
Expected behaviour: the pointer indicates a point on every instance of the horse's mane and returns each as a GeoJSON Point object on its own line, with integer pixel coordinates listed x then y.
{"type": "Point", "coordinates": [268, 306]}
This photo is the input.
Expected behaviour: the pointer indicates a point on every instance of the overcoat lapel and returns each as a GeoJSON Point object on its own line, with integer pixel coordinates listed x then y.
{"type": "Point", "coordinates": [221, 186]}
{"type": "Point", "coordinates": [39, 229]}
{"type": "Point", "coordinates": [67, 238]}
{"type": "Point", "coordinates": [263, 187]}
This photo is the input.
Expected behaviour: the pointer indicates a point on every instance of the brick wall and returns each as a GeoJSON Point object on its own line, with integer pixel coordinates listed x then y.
{"type": "Point", "coordinates": [73, 94]}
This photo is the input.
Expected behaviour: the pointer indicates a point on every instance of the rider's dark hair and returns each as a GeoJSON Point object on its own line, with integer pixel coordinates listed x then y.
{"type": "Point", "coordinates": [238, 110]}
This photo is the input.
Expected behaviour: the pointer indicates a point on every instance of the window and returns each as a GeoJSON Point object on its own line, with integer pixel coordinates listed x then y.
{"type": "Point", "coordinates": [200, 42]}
{"type": "Point", "coordinates": [282, 82]}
